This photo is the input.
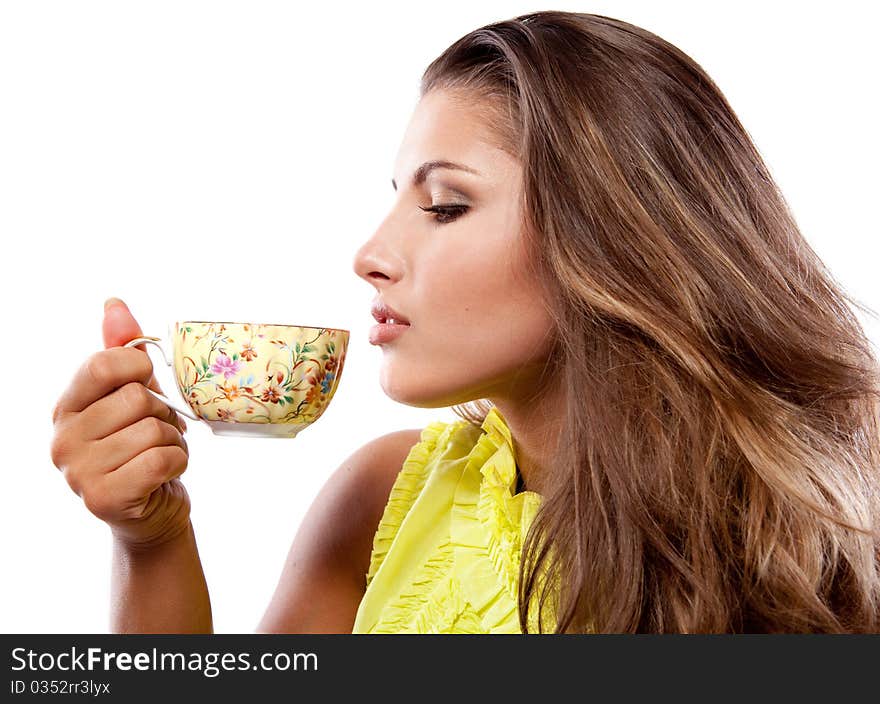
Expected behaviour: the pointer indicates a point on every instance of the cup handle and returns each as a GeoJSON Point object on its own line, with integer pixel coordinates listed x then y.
{"type": "Point", "coordinates": [156, 341]}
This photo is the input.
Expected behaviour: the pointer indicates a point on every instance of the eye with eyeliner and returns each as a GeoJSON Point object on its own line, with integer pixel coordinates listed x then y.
{"type": "Point", "coordinates": [445, 213]}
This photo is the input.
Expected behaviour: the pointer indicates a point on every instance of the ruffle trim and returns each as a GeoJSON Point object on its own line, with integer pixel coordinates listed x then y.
{"type": "Point", "coordinates": [407, 486]}
{"type": "Point", "coordinates": [506, 517]}
{"type": "Point", "coordinates": [491, 515]}
{"type": "Point", "coordinates": [427, 603]}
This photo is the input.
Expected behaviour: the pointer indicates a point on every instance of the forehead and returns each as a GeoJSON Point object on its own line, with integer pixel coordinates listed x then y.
{"type": "Point", "coordinates": [448, 126]}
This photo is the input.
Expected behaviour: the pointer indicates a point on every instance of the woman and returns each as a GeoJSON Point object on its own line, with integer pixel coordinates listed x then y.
{"type": "Point", "coordinates": [668, 409]}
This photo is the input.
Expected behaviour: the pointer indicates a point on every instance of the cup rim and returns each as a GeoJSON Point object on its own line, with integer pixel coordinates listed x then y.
{"type": "Point", "coordinates": [277, 325]}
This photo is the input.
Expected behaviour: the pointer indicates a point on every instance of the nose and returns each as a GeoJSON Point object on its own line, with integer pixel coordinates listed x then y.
{"type": "Point", "coordinates": [378, 261]}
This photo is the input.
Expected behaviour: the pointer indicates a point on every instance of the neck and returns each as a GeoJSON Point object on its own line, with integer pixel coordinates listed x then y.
{"type": "Point", "coordinates": [534, 426]}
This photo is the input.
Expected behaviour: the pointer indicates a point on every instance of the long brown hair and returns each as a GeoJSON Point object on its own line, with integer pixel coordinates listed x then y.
{"type": "Point", "coordinates": [718, 466]}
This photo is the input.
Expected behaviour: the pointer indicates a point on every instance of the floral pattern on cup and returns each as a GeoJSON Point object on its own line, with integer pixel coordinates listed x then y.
{"type": "Point", "coordinates": [255, 373]}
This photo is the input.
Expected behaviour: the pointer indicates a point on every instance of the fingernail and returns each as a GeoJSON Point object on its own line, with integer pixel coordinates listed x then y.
{"type": "Point", "coordinates": [110, 302]}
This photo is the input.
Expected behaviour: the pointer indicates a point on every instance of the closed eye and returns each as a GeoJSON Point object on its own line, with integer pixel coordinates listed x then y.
{"type": "Point", "coordinates": [446, 213]}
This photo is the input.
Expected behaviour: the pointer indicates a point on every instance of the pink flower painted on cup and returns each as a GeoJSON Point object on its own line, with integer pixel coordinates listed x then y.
{"type": "Point", "coordinates": [225, 366]}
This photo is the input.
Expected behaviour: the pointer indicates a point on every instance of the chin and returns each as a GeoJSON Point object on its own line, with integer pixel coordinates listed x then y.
{"type": "Point", "coordinates": [413, 396]}
{"type": "Point", "coordinates": [418, 391]}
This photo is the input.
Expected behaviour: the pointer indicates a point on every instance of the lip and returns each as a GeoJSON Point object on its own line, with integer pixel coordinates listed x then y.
{"type": "Point", "coordinates": [383, 312]}
{"type": "Point", "coordinates": [386, 332]}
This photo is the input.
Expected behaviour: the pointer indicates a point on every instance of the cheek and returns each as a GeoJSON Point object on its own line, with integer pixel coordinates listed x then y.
{"type": "Point", "coordinates": [485, 305]}
{"type": "Point", "coordinates": [507, 334]}
{"type": "Point", "coordinates": [503, 312]}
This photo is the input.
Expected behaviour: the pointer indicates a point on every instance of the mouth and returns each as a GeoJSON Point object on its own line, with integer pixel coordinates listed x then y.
{"type": "Point", "coordinates": [385, 315]}
{"type": "Point", "coordinates": [387, 331]}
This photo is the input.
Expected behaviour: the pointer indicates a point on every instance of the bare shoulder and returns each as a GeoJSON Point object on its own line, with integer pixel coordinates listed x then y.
{"type": "Point", "coordinates": [323, 579]}
{"type": "Point", "coordinates": [377, 463]}
{"type": "Point", "coordinates": [361, 485]}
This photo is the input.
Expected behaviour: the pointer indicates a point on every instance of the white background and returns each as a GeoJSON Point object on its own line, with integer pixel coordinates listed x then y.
{"type": "Point", "coordinates": [217, 160]}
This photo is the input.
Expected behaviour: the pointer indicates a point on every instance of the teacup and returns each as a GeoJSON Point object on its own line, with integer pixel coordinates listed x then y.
{"type": "Point", "coordinates": [252, 380]}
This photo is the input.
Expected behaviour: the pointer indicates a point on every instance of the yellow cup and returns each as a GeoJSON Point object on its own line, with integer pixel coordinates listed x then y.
{"type": "Point", "coordinates": [252, 380]}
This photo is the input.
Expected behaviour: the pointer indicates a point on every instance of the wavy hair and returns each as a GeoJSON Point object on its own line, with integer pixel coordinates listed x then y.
{"type": "Point", "coordinates": [717, 470]}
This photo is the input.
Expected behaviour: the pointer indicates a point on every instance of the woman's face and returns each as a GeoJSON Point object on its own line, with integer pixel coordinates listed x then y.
{"type": "Point", "coordinates": [477, 328]}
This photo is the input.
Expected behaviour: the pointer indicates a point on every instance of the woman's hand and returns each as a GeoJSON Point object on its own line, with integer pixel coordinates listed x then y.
{"type": "Point", "coordinates": [121, 449]}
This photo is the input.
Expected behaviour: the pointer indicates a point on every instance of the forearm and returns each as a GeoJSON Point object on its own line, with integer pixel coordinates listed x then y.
{"type": "Point", "coordinates": [162, 590]}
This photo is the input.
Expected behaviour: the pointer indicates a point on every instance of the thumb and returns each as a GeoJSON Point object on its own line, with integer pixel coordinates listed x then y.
{"type": "Point", "coordinates": [119, 327]}
{"type": "Point", "coordinates": [119, 324]}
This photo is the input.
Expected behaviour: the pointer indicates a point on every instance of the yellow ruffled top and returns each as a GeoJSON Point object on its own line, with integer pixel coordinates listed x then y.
{"type": "Point", "coordinates": [446, 553]}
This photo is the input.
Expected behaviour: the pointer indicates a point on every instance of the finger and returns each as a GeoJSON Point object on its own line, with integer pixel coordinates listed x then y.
{"type": "Point", "coordinates": [97, 458]}
{"type": "Point", "coordinates": [119, 327]}
{"type": "Point", "coordinates": [142, 475]}
{"type": "Point", "coordinates": [121, 408]}
{"type": "Point", "coordinates": [103, 373]}
{"type": "Point", "coordinates": [124, 445]}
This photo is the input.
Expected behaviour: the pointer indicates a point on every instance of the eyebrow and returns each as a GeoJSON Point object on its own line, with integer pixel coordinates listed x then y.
{"type": "Point", "coordinates": [422, 172]}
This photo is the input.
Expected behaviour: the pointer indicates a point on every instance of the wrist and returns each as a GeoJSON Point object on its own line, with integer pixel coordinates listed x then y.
{"type": "Point", "coordinates": [134, 541]}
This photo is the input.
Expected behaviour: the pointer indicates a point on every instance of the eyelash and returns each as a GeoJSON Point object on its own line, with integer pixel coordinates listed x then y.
{"type": "Point", "coordinates": [446, 213]}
